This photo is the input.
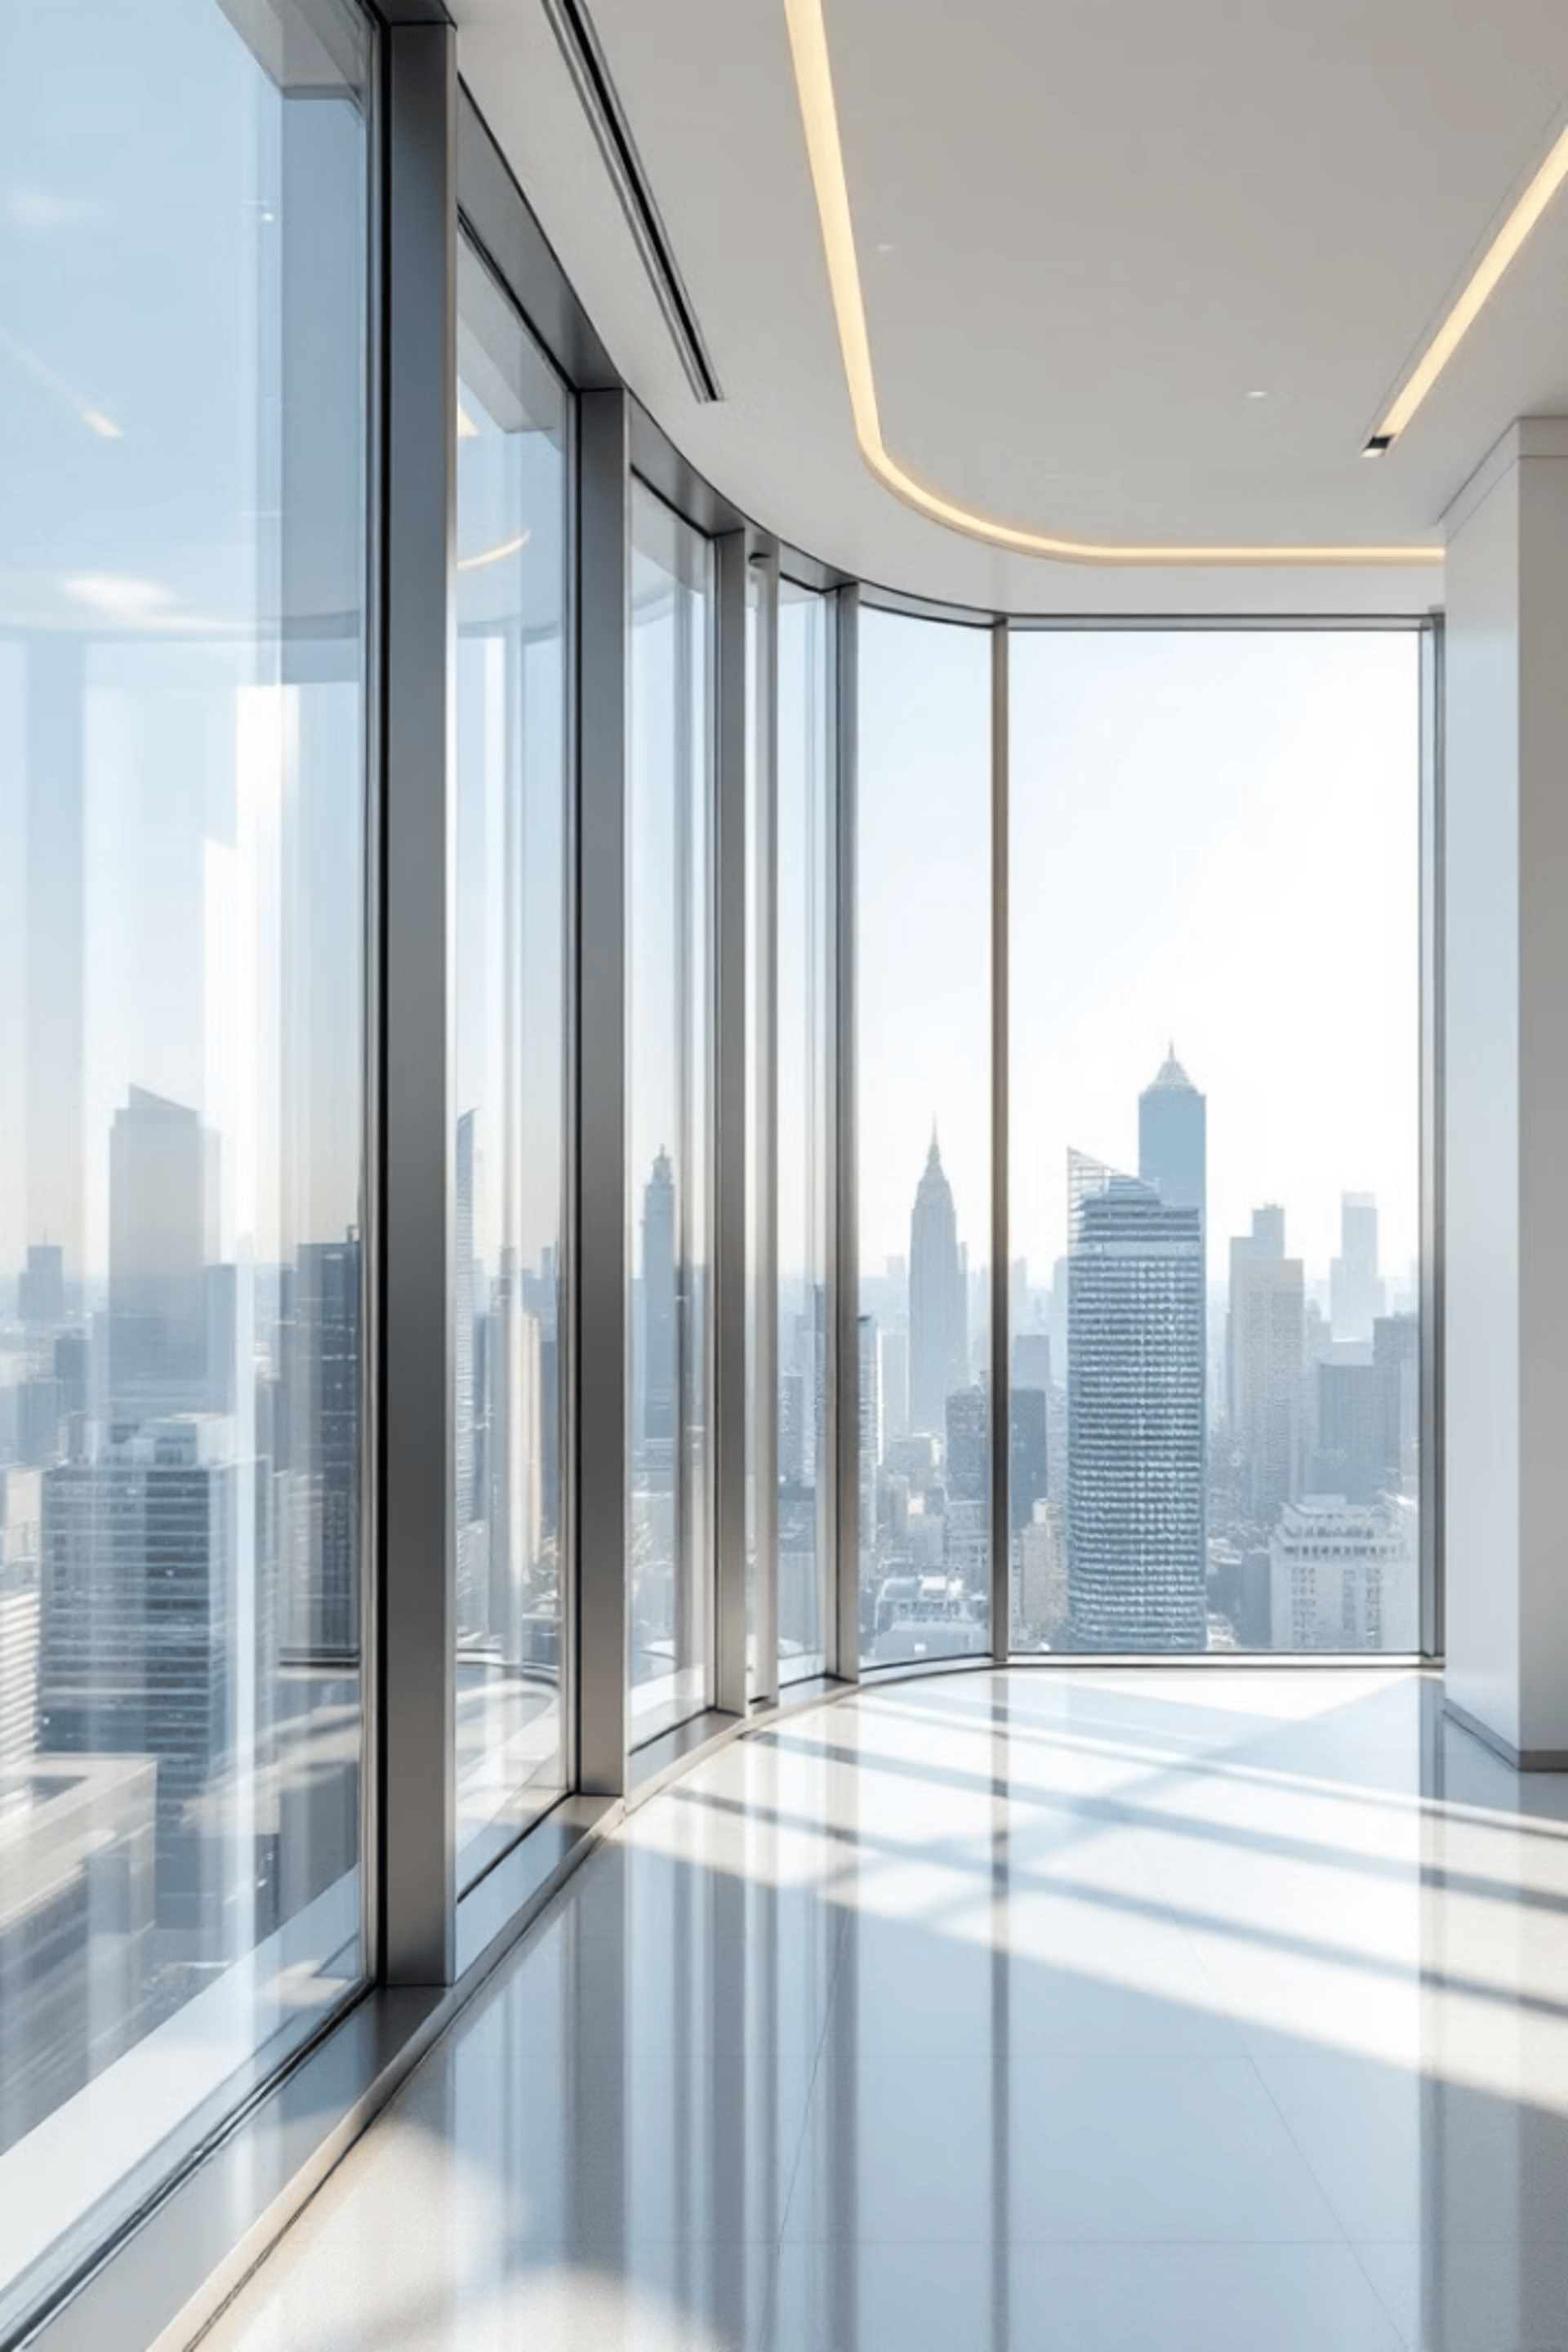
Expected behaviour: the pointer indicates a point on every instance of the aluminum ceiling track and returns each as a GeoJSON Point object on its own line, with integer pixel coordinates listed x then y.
{"type": "Point", "coordinates": [586, 61]}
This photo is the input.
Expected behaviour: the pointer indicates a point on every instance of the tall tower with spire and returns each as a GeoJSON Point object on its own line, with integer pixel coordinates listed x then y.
{"type": "Point", "coordinates": [939, 1309]}
{"type": "Point", "coordinates": [1172, 1129]}
{"type": "Point", "coordinates": [661, 1326]}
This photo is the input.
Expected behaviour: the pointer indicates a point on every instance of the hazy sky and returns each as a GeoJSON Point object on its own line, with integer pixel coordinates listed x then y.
{"type": "Point", "coordinates": [182, 786]}
{"type": "Point", "coordinates": [1213, 839]}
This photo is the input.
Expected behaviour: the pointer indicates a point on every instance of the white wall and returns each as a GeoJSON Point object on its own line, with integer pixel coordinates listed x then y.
{"type": "Point", "coordinates": [1506, 1097]}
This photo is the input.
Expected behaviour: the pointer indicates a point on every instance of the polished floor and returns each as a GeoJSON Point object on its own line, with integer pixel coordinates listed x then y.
{"type": "Point", "coordinates": [1213, 2011]}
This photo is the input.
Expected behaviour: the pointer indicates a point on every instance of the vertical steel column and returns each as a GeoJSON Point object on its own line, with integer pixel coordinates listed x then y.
{"type": "Point", "coordinates": [729, 1111]}
{"type": "Point", "coordinates": [599, 1402]}
{"type": "Point", "coordinates": [1000, 1417]}
{"type": "Point", "coordinates": [765, 1044]}
{"type": "Point", "coordinates": [843, 1430]}
{"type": "Point", "coordinates": [1432, 1130]}
{"type": "Point", "coordinates": [416, 1743]}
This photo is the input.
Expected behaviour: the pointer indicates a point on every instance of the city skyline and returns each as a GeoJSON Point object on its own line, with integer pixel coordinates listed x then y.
{"type": "Point", "coordinates": [1212, 838]}
{"type": "Point", "coordinates": [1199, 1468]}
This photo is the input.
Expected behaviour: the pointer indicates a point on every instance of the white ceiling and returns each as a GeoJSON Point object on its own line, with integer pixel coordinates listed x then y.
{"type": "Point", "coordinates": [1088, 229]}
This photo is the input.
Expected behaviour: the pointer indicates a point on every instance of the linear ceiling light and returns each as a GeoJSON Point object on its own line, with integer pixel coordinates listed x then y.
{"type": "Point", "coordinates": [1482, 283]}
{"type": "Point", "coordinates": [495, 554]}
{"type": "Point", "coordinates": [813, 82]}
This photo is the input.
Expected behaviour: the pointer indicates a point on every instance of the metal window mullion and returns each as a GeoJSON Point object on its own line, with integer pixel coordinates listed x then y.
{"type": "Point", "coordinates": [1000, 1416]}
{"type": "Point", "coordinates": [1430, 1302]}
{"type": "Point", "coordinates": [599, 1390]}
{"type": "Point", "coordinates": [765, 1036]}
{"type": "Point", "coordinates": [843, 1250]}
{"type": "Point", "coordinates": [728, 1224]}
{"type": "Point", "coordinates": [417, 1715]}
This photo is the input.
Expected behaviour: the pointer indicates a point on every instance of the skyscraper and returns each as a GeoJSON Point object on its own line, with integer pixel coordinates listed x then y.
{"type": "Point", "coordinates": [1267, 1357]}
{"type": "Point", "coordinates": [938, 1318]}
{"type": "Point", "coordinates": [1356, 1290]}
{"type": "Point", "coordinates": [41, 1287]}
{"type": "Point", "coordinates": [163, 1216]}
{"type": "Point", "coordinates": [871, 1435]}
{"type": "Point", "coordinates": [473, 1564]}
{"type": "Point", "coordinates": [1172, 1123]}
{"type": "Point", "coordinates": [144, 1651]}
{"type": "Point", "coordinates": [660, 1353]}
{"type": "Point", "coordinates": [515, 1502]}
{"type": "Point", "coordinates": [1028, 1479]}
{"type": "Point", "coordinates": [969, 1445]}
{"type": "Point", "coordinates": [1136, 1448]}
{"type": "Point", "coordinates": [322, 1409]}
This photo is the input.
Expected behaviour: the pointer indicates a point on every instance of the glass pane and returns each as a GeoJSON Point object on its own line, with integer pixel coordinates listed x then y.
{"type": "Point", "coordinates": [1214, 1122]}
{"type": "Point", "coordinates": [761, 605]}
{"type": "Point", "coordinates": [513, 482]}
{"type": "Point", "coordinates": [185, 246]}
{"type": "Point", "coordinates": [923, 1135]}
{"type": "Point", "coordinates": [669, 1115]}
{"type": "Point", "coordinates": [803, 1065]}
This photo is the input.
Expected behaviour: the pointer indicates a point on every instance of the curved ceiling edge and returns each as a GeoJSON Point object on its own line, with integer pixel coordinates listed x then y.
{"type": "Point", "coordinates": [819, 116]}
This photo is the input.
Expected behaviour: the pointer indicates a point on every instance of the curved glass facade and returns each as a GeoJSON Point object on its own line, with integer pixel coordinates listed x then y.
{"type": "Point", "coordinates": [922, 945]}
{"type": "Point", "coordinates": [669, 1118]}
{"type": "Point", "coordinates": [1081, 1007]}
{"type": "Point", "coordinates": [508, 1178]}
{"type": "Point", "coordinates": [1214, 1202]}
{"type": "Point", "coordinates": [185, 402]}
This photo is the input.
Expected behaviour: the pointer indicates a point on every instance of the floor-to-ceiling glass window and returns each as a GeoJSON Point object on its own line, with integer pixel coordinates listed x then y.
{"type": "Point", "coordinates": [185, 245]}
{"type": "Point", "coordinates": [803, 919]}
{"type": "Point", "coordinates": [669, 1117]}
{"type": "Point", "coordinates": [513, 484]}
{"type": "Point", "coordinates": [1213, 1190]}
{"type": "Point", "coordinates": [922, 1136]}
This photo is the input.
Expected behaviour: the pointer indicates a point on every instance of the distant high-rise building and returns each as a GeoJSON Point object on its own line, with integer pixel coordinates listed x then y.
{"type": "Point", "coordinates": [660, 1332]}
{"type": "Point", "coordinates": [1343, 1576]}
{"type": "Point", "coordinates": [1029, 1462]}
{"type": "Point", "coordinates": [320, 1402]}
{"type": "Point", "coordinates": [163, 1219]}
{"type": "Point", "coordinates": [939, 1307]}
{"type": "Point", "coordinates": [969, 1451]}
{"type": "Point", "coordinates": [21, 1511]}
{"type": "Point", "coordinates": [1031, 1360]}
{"type": "Point", "coordinates": [41, 1287]}
{"type": "Point", "coordinates": [1349, 1459]}
{"type": "Point", "coordinates": [969, 1446]}
{"type": "Point", "coordinates": [1266, 1240]}
{"type": "Point", "coordinates": [1136, 1447]}
{"type": "Point", "coordinates": [143, 1650]}
{"type": "Point", "coordinates": [1173, 1125]}
{"type": "Point", "coordinates": [896, 1383]}
{"type": "Point", "coordinates": [467, 1367]}
{"type": "Point", "coordinates": [870, 1434]}
{"type": "Point", "coordinates": [1040, 1589]}
{"type": "Point", "coordinates": [1355, 1288]}
{"type": "Point", "coordinates": [515, 1504]}
{"type": "Point", "coordinates": [1266, 1351]}
{"type": "Point", "coordinates": [464, 1306]}
{"type": "Point", "coordinates": [1396, 1359]}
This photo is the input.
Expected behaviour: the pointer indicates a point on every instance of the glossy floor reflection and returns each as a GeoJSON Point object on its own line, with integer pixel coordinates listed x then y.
{"type": "Point", "coordinates": [1153, 2011]}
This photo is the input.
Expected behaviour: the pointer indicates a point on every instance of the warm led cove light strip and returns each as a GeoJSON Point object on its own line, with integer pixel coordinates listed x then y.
{"type": "Point", "coordinates": [1482, 284]}
{"type": "Point", "coordinates": [495, 554]}
{"type": "Point", "coordinates": [819, 113]}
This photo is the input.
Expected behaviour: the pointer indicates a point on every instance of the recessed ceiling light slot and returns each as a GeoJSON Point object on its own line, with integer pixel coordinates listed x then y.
{"type": "Point", "coordinates": [586, 62]}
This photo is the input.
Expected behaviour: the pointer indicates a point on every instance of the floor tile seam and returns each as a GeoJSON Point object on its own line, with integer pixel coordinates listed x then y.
{"type": "Point", "coordinates": [1393, 1972]}
{"type": "Point", "coordinates": [1330, 2203]}
{"type": "Point", "coordinates": [827, 2012]}
{"type": "Point", "coordinates": [492, 2255]}
{"type": "Point", "coordinates": [1063, 2240]}
{"type": "Point", "coordinates": [1411, 2342]}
